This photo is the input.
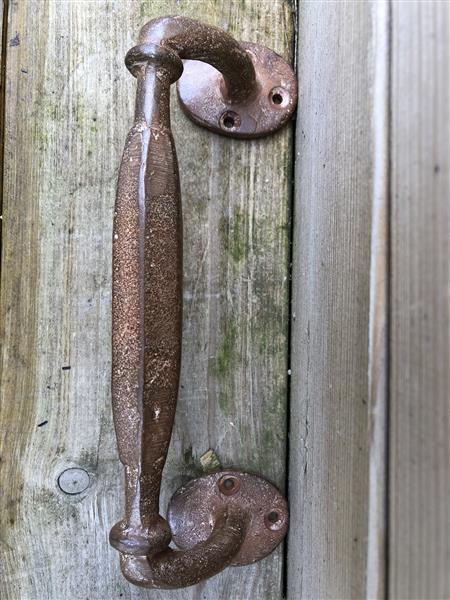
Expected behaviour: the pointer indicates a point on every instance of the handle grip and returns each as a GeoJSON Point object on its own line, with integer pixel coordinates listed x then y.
{"type": "Point", "coordinates": [147, 316]}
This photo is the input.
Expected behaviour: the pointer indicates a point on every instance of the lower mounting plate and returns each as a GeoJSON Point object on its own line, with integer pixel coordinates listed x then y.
{"type": "Point", "coordinates": [193, 507]}
{"type": "Point", "coordinates": [200, 95]}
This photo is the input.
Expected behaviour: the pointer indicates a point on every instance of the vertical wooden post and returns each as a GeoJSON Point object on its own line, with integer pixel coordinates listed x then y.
{"type": "Point", "coordinates": [338, 400]}
{"type": "Point", "coordinates": [419, 485]}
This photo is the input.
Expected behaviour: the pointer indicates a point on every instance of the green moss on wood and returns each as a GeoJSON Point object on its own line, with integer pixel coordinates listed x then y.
{"type": "Point", "coordinates": [238, 238]}
{"type": "Point", "coordinates": [226, 353]}
{"type": "Point", "coordinates": [268, 439]}
{"type": "Point", "coordinates": [233, 235]}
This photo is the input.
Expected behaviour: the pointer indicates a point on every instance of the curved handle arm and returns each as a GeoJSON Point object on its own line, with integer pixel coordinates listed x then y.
{"type": "Point", "coordinates": [194, 40]}
{"type": "Point", "coordinates": [147, 303]}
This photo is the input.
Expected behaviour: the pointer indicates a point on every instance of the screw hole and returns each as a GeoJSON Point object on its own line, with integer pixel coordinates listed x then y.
{"type": "Point", "coordinates": [277, 98]}
{"type": "Point", "coordinates": [273, 516]}
{"type": "Point", "coordinates": [230, 120]}
{"type": "Point", "coordinates": [274, 520]}
{"type": "Point", "coordinates": [229, 485]}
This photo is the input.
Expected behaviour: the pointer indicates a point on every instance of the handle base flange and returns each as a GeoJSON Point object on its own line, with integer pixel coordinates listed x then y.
{"type": "Point", "coordinates": [202, 96]}
{"type": "Point", "coordinates": [194, 508]}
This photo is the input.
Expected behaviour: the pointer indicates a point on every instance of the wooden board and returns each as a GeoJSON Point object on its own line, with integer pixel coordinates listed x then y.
{"type": "Point", "coordinates": [419, 529]}
{"type": "Point", "coordinates": [338, 392]}
{"type": "Point", "coordinates": [69, 103]}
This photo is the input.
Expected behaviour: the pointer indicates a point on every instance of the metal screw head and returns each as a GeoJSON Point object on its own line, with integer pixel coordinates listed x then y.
{"type": "Point", "coordinates": [229, 485]}
{"type": "Point", "coordinates": [73, 481]}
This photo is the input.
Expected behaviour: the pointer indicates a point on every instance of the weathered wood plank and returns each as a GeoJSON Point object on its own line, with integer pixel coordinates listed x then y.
{"type": "Point", "coordinates": [3, 44]}
{"type": "Point", "coordinates": [338, 398]}
{"type": "Point", "coordinates": [420, 317]}
{"type": "Point", "coordinates": [69, 106]}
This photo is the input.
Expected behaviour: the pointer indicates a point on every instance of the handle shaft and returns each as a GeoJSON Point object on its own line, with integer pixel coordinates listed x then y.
{"type": "Point", "coordinates": [147, 283]}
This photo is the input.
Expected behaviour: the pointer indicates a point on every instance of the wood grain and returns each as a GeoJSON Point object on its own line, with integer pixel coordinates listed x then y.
{"type": "Point", "coordinates": [420, 341]}
{"type": "Point", "coordinates": [338, 392]}
{"type": "Point", "coordinates": [69, 106]}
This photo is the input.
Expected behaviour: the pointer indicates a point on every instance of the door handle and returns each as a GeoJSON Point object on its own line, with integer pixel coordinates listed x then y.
{"type": "Point", "coordinates": [225, 518]}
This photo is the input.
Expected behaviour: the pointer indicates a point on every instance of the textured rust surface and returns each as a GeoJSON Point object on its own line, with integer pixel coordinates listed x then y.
{"type": "Point", "coordinates": [147, 312]}
{"type": "Point", "coordinates": [147, 279]}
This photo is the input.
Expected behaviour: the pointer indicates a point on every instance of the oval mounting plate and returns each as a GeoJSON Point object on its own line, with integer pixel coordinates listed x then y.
{"type": "Point", "coordinates": [201, 98]}
{"type": "Point", "coordinates": [193, 509]}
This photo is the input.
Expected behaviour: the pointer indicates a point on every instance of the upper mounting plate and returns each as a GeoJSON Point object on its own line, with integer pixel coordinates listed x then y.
{"type": "Point", "coordinates": [200, 95]}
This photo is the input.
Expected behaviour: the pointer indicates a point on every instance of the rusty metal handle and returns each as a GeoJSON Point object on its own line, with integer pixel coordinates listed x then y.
{"type": "Point", "coordinates": [147, 305]}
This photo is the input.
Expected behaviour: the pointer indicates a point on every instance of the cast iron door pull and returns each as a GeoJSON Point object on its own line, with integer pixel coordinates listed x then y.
{"type": "Point", "coordinates": [226, 518]}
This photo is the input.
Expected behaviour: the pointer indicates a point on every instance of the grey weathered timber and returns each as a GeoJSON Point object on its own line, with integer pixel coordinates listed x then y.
{"type": "Point", "coordinates": [338, 391]}
{"type": "Point", "coordinates": [69, 104]}
{"type": "Point", "coordinates": [419, 538]}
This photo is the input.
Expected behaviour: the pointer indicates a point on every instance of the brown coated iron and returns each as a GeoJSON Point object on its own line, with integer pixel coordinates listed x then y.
{"type": "Point", "coordinates": [228, 517]}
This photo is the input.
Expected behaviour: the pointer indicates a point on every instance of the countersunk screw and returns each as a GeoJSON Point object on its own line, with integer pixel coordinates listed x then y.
{"type": "Point", "coordinates": [229, 485]}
